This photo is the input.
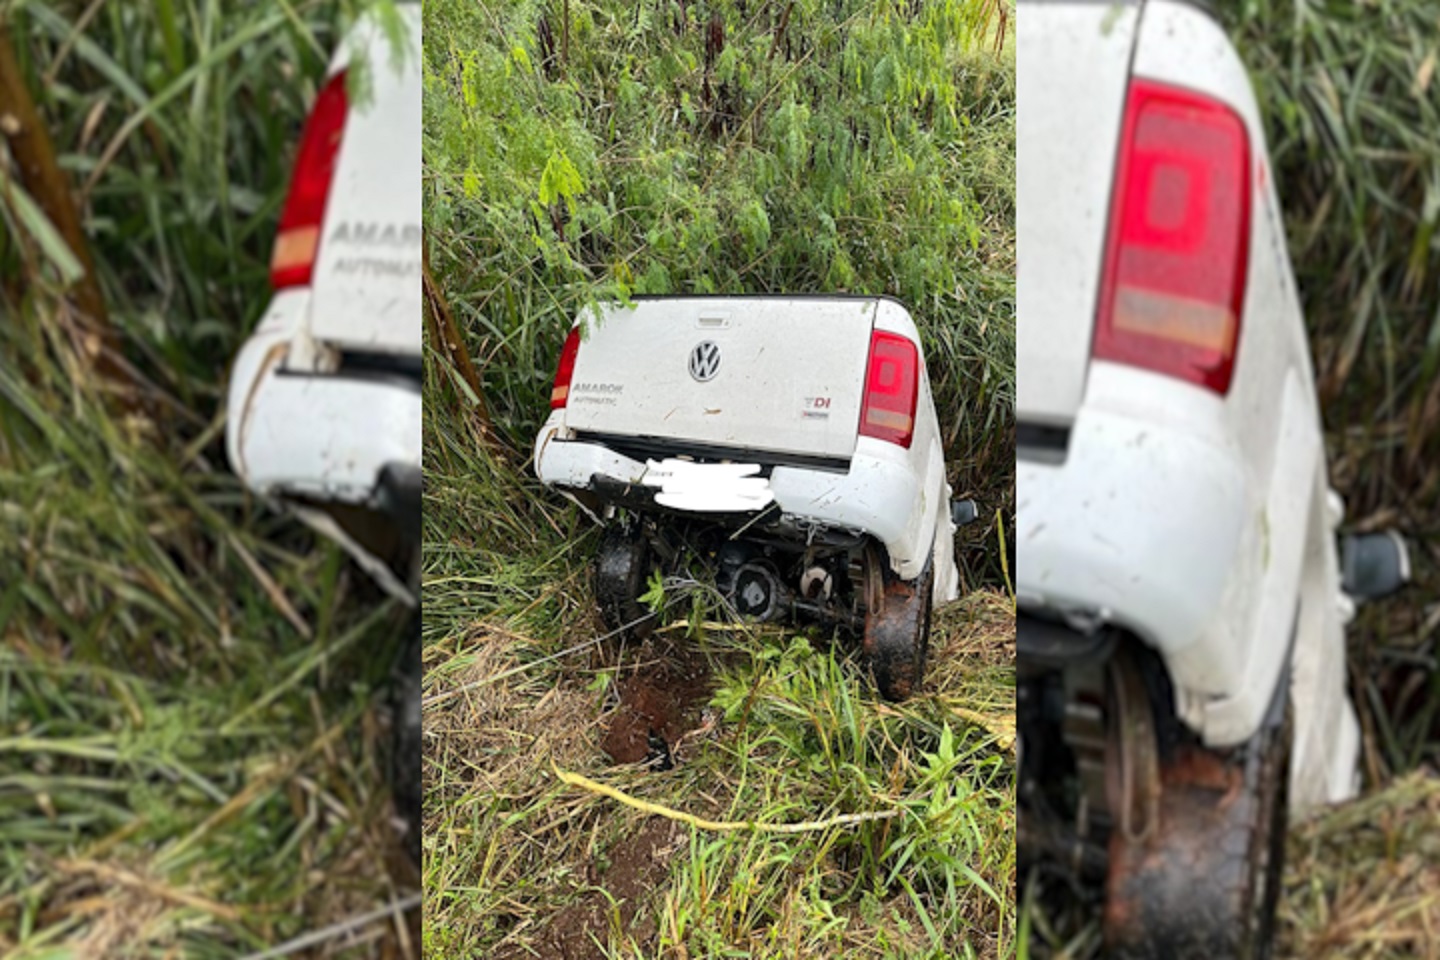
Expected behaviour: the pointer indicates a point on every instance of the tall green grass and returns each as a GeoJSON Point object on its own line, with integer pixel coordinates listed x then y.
{"type": "Point", "coordinates": [1352, 108]}
{"type": "Point", "coordinates": [514, 683]}
{"type": "Point", "coordinates": [859, 147]}
{"type": "Point", "coordinates": [177, 122]}
{"type": "Point", "coordinates": [191, 728]}
{"type": "Point", "coordinates": [871, 151]}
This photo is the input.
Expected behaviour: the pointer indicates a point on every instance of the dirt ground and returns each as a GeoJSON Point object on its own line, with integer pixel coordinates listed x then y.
{"type": "Point", "coordinates": [520, 866]}
{"type": "Point", "coordinates": [660, 704]}
{"type": "Point", "coordinates": [617, 886]}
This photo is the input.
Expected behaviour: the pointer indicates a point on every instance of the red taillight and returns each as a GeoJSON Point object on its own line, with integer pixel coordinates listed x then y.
{"type": "Point", "coordinates": [892, 382]}
{"type": "Point", "coordinates": [298, 240]}
{"type": "Point", "coordinates": [560, 393]}
{"type": "Point", "coordinates": [1175, 258]}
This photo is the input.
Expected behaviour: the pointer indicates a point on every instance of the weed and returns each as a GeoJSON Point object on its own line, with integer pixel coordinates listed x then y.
{"type": "Point", "coordinates": [191, 728]}
{"type": "Point", "coordinates": [594, 150]}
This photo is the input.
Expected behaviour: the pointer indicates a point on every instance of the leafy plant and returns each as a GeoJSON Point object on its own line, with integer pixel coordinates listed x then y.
{"type": "Point", "coordinates": [727, 147]}
{"type": "Point", "coordinates": [800, 147]}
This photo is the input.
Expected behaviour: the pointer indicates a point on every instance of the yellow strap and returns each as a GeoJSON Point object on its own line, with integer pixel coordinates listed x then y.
{"type": "Point", "coordinates": [844, 819]}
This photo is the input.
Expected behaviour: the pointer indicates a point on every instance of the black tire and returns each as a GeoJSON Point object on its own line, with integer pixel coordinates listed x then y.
{"type": "Point", "coordinates": [1208, 884]}
{"type": "Point", "coordinates": [1269, 871]}
{"type": "Point", "coordinates": [622, 567]}
{"type": "Point", "coordinates": [897, 637]}
{"type": "Point", "coordinates": [405, 761]}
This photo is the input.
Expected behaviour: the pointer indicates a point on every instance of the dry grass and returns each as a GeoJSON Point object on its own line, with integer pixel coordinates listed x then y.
{"type": "Point", "coordinates": [1364, 879]}
{"type": "Point", "coordinates": [192, 715]}
{"type": "Point", "coordinates": [1353, 120]}
{"type": "Point", "coordinates": [512, 853]}
{"type": "Point", "coordinates": [656, 205]}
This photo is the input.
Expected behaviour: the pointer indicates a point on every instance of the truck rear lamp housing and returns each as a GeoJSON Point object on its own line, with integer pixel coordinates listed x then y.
{"type": "Point", "coordinates": [297, 243]}
{"type": "Point", "coordinates": [565, 370]}
{"type": "Point", "coordinates": [892, 383]}
{"type": "Point", "coordinates": [1176, 252]}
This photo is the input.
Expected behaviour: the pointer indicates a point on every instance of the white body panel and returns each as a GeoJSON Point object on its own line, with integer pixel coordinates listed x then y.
{"type": "Point", "coordinates": [1198, 522]}
{"type": "Point", "coordinates": [1071, 92]}
{"type": "Point", "coordinates": [899, 496]}
{"type": "Point", "coordinates": [313, 433]}
{"type": "Point", "coordinates": [778, 359]}
{"type": "Point", "coordinates": [298, 423]}
{"type": "Point", "coordinates": [367, 274]}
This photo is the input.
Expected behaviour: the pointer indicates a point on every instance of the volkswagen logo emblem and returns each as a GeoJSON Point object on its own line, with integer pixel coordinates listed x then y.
{"type": "Point", "coordinates": [705, 361]}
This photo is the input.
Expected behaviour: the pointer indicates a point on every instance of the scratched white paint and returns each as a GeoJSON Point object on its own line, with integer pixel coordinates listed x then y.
{"type": "Point", "coordinates": [295, 427]}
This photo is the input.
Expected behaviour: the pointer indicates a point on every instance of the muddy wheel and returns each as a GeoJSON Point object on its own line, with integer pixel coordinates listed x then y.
{"type": "Point", "coordinates": [897, 628]}
{"type": "Point", "coordinates": [1206, 881]}
{"type": "Point", "coordinates": [621, 569]}
{"type": "Point", "coordinates": [1269, 873]}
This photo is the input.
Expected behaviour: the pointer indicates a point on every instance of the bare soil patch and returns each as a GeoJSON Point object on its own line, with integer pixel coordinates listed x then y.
{"type": "Point", "coordinates": [618, 884]}
{"type": "Point", "coordinates": [659, 704]}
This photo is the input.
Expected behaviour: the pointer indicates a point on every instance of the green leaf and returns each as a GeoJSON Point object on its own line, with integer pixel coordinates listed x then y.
{"type": "Point", "coordinates": [560, 180]}
{"type": "Point", "coordinates": [35, 223]}
{"type": "Point", "coordinates": [654, 597]}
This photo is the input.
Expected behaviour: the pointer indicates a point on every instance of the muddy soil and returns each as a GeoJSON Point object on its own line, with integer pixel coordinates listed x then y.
{"type": "Point", "coordinates": [659, 704]}
{"type": "Point", "coordinates": [627, 872]}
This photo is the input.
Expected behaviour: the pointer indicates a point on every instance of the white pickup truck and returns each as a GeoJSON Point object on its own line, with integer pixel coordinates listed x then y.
{"type": "Point", "coordinates": [324, 398]}
{"type": "Point", "coordinates": [791, 440]}
{"type": "Point", "coordinates": [324, 405]}
{"type": "Point", "coordinates": [1181, 644]}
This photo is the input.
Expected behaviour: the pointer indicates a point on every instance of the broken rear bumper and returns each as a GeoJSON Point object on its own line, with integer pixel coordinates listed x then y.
{"type": "Point", "coordinates": [1142, 526]}
{"type": "Point", "coordinates": [327, 436]}
{"type": "Point", "coordinates": [879, 495]}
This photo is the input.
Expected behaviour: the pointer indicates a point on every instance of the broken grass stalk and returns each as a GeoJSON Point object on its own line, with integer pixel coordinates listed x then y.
{"type": "Point", "coordinates": [807, 826]}
{"type": "Point", "coordinates": [338, 929]}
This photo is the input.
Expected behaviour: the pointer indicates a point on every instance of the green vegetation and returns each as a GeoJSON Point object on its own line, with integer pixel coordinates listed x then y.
{"type": "Point", "coordinates": [597, 149]}
{"type": "Point", "coordinates": [798, 737]}
{"type": "Point", "coordinates": [191, 733]}
{"type": "Point", "coordinates": [1352, 109]}
{"type": "Point", "coordinates": [855, 147]}
{"type": "Point", "coordinates": [514, 857]}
